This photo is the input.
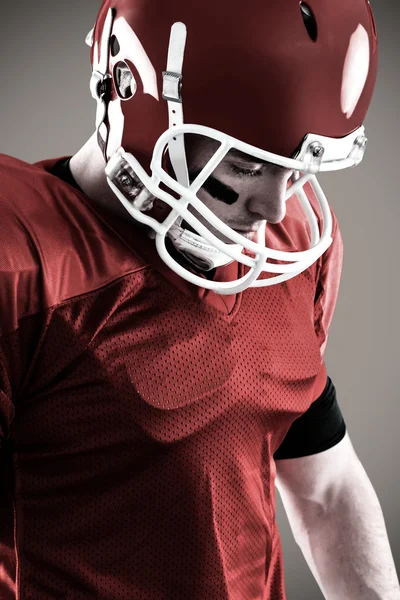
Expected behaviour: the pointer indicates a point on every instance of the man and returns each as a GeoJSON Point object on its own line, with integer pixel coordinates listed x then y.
{"type": "Point", "coordinates": [161, 367]}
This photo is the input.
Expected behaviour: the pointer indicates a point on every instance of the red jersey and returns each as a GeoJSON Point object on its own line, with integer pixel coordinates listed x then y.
{"type": "Point", "coordinates": [139, 413]}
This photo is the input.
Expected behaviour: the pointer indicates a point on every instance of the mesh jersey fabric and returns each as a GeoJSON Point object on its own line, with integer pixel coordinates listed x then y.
{"type": "Point", "coordinates": [322, 425]}
{"type": "Point", "coordinates": [139, 414]}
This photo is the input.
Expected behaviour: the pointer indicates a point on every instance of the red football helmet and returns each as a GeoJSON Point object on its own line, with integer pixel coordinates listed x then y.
{"type": "Point", "coordinates": [287, 82]}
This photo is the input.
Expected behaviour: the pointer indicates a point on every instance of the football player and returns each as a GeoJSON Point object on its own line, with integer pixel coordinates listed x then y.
{"type": "Point", "coordinates": [166, 297]}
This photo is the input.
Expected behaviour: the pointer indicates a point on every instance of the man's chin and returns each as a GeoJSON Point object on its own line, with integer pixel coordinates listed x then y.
{"type": "Point", "coordinates": [247, 234]}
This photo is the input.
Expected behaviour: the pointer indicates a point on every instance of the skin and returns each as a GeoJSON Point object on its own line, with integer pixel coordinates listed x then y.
{"type": "Point", "coordinates": [254, 190]}
{"type": "Point", "coordinates": [242, 191]}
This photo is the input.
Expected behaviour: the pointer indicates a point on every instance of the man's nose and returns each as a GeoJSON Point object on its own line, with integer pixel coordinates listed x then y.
{"type": "Point", "coordinates": [269, 201]}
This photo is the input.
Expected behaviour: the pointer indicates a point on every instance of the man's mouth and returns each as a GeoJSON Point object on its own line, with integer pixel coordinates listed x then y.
{"type": "Point", "coordinates": [243, 231]}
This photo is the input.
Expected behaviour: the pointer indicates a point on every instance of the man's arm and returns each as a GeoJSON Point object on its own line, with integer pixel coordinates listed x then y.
{"type": "Point", "coordinates": [337, 521]}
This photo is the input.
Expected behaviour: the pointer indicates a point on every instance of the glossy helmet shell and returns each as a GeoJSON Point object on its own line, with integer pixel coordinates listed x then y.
{"type": "Point", "coordinates": [261, 71]}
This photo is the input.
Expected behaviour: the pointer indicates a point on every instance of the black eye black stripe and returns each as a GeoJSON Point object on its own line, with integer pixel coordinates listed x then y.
{"type": "Point", "coordinates": [217, 189]}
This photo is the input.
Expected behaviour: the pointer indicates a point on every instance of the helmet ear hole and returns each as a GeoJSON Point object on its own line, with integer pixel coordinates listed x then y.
{"type": "Point", "coordinates": [125, 83]}
{"type": "Point", "coordinates": [309, 20]}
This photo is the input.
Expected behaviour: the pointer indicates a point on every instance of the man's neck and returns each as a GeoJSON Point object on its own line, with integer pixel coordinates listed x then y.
{"type": "Point", "coordinates": [87, 168]}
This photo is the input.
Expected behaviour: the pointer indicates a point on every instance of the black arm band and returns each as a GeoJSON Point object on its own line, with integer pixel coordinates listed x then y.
{"type": "Point", "coordinates": [321, 427]}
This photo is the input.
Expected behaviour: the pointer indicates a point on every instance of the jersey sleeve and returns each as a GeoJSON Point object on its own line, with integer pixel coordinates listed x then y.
{"type": "Point", "coordinates": [329, 274]}
{"type": "Point", "coordinates": [322, 426]}
{"type": "Point", "coordinates": [18, 276]}
{"type": "Point", "coordinates": [6, 404]}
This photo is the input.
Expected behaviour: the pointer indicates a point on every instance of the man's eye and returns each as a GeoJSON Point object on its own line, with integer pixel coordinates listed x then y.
{"type": "Point", "coordinates": [245, 172]}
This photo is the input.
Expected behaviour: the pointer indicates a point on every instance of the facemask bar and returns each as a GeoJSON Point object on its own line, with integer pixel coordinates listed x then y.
{"type": "Point", "coordinates": [311, 163]}
{"type": "Point", "coordinates": [187, 196]}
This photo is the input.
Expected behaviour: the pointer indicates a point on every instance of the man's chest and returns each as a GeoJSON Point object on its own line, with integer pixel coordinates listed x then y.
{"type": "Point", "coordinates": [160, 363]}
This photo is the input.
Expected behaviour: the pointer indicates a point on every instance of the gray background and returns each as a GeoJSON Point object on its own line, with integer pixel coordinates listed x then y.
{"type": "Point", "coordinates": [47, 111]}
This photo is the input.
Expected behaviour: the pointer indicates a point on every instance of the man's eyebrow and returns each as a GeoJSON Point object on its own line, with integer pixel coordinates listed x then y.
{"type": "Point", "coordinates": [252, 160]}
{"type": "Point", "coordinates": [235, 153]}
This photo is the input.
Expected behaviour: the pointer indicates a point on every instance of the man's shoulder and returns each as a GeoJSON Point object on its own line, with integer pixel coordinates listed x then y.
{"type": "Point", "coordinates": [53, 246]}
{"type": "Point", "coordinates": [18, 195]}
{"type": "Point", "coordinates": [29, 213]}
{"type": "Point", "coordinates": [11, 164]}
{"type": "Point", "coordinates": [17, 171]}
{"type": "Point", "coordinates": [19, 261]}
{"type": "Point", "coordinates": [23, 186]}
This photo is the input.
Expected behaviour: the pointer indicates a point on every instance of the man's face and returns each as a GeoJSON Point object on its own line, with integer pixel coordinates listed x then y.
{"type": "Point", "coordinates": [242, 190]}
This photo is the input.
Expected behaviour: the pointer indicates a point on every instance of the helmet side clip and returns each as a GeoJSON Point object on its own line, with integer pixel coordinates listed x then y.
{"type": "Point", "coordinates": [172, 86]}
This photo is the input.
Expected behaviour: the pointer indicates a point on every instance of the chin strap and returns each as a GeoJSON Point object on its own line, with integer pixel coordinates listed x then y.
{"type": "Point", "coordinates": [197, 250]}
{"type": "Point", "coordinates": [172, 86]}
